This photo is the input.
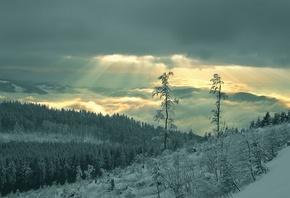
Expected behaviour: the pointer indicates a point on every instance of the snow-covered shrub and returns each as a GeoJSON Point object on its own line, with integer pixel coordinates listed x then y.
{"type": "Point", "coordinates": [175, 177]}
{"type": "Point", "coordinates": [79, 173]}
{"type": "Point", "coordinates": [89, 172]}
{"type": "Point", "coordinates": [157, 177]}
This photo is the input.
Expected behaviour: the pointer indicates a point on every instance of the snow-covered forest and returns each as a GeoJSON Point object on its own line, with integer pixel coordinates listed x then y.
{"type": "Point", "coordinates": [41, 146]}
{"type": "Point", "coordinates": [191, 166]}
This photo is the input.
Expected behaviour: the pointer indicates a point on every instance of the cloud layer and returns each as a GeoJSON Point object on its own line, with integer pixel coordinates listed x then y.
{"type": "Point", "coordinates": [111, 52]}
{"type": "Point", "coordinates": [193, 111]}
{"type": "Point", "coordinates": [42, 33]}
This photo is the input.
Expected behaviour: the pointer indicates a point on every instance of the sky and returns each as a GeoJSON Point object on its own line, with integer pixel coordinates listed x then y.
{"type": "Point", "coordinates": [108, 55]}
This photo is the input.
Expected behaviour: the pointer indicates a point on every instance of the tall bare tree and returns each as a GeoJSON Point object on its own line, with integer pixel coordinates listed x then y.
{"type": "Point", "coordinates": [167, 104]}
{"type": "Point", "coordinates": [216, 89]}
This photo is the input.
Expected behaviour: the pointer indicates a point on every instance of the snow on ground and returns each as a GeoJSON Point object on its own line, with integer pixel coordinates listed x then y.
{"type": "Point", "coordinates": [275, 184]}
{"type": "Point", "coordinates": [134, 181]}
{"type": "Point", "coordinates": [130, 182]}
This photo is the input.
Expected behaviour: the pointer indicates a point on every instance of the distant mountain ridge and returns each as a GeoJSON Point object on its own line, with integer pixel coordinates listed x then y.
{"type": "Point", "coordinates": [12, 86]}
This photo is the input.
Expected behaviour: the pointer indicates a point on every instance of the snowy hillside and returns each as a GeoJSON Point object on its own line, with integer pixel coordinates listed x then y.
{"type": "Point", "coordinates": [136, 182]}
{"type": "Point", "coordinates": [248, 164]}
{"type": "Point", "coordinates": [275, 184]}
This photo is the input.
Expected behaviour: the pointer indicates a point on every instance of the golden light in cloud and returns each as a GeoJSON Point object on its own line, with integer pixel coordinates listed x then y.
{"type": "Point", "coordinates": [121, 104]}
{"type": "Point", "coordinates": [145, 90]}
{"type": "Point", "coordinates": [119, 63]}
{"type": "Point", "coordinates": [30, 98]}
{"type": "Point", "coordinates": [181, 61]}
{"type": "Point", "coordinates": [189, 72]}
{"type": "Point", "coordinates": [103, 105]}
{"type": "Point", "coordinates": [77, 104]}
{"type": "Point", "coordinates": [283, 99]}
{"type": "Point", "coordinates": [124, 58]}
{"type": "Point", "coordinates": [270, 82]}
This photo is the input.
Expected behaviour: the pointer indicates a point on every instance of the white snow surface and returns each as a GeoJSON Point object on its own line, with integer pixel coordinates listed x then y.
{"type": "Point", "coordinates": [136, 182]}
{"type": "Point", "coordinates": [274, 184]}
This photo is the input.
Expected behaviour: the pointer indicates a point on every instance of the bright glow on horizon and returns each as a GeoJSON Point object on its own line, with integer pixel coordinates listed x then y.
{"type": "Point", "coordinates": [76, 104]}
{"type": "Point", "coordinates": [131, 80]}
{"type": "Point", "coordinates": [124, 71]}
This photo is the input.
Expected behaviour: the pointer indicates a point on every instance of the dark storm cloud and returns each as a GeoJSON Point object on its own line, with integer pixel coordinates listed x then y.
{"type": "Point", "coordinates": [249, 32]}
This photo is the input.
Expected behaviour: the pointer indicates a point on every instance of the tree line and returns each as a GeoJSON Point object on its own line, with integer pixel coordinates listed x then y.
{"type": "Point", "coordinates": [26, 166]}
{"type": "Point", "coordinates": [268, 120]}
{"type": "Point", "coordinates": [16, 117]}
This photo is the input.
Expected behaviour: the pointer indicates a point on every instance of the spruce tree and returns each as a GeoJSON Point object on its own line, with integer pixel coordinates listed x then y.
{"type": "Point", "coordinates": [216, 89]}
{"type": "Point", "coordinates": [266, 120]}
{"type": "Point", "coordinates": [276, 119]}
{"type": "Point", "coordinates": [284, 117]}
{"type": "Point", "coordinates": [167, 105]}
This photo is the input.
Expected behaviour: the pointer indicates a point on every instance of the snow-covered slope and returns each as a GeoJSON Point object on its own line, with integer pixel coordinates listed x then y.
{"type": "Point", "coordinates": [136, 182]}
{"type": "Point", "coordinates": [190, 174]}
{"type": "Point", "coordinates": [275, 184]}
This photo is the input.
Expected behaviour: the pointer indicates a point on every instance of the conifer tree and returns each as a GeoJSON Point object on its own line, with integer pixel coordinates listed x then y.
{"type": "Point", "coordinates": [216, 89]}
{"type": "Point", "coordinates": [266, 120]}
{"type": "Point", "coordinates": [258, 123]}
{"type": "Point", "coordinates": [284, 117]}
{"type": "Point", "coordinates": [252, 124]}
{"type": "Point", "coordinates": [276, 119]}
{"type": "Point", "coordinates": [167, 105]}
